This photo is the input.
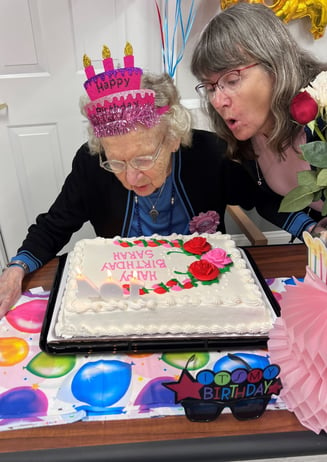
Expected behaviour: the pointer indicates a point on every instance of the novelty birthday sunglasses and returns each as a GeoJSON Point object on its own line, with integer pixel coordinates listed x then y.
{"type": "Point", "coordinates": [209, 410]}
{"type": "Point", "coordinates": [242, 409]}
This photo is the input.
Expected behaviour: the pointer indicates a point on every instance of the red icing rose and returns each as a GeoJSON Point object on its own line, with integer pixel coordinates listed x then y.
{"type": "Point", "coordinates": [303, 108]}
{"type": "Point", "coordinates": [153, 244]}
{"type": "Point", "coordinates": [197, 245]}
{"type": "Point", "coordinates": [171, 283]}
{"type": "Point", "coordinates": [124, 244]}
{"type": "Point", "coordinates": [160, 290]}
{"type": "Point", "coordinates": [203, 270]}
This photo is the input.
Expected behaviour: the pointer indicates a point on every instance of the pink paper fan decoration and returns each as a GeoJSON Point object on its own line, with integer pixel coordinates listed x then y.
{"type": "Point", "coordinates": [298, 344]}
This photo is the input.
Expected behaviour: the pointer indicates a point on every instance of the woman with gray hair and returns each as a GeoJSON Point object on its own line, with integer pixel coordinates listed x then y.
{"type": "Point", "coordinates": [142, 171]}
{"type": "Point", "coordinates": [250, 68]}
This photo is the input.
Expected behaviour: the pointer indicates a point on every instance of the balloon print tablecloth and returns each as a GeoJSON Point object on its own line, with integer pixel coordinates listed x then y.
{"type": "Point", "coordinates": [40, 389]}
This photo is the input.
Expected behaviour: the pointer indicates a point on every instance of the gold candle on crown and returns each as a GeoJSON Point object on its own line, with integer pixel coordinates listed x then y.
{"type": "Point", "coordinates": [107, 60]}
{"type": "Point", "coordinates": [128, 58]}
{"type": "Point", "coordinates": [88, 68]}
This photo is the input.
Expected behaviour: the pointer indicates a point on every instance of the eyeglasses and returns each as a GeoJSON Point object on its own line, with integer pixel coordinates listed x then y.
{"type": "Point", "coordinates": [139, 163]}
{"type": "Point", "coordinates": [242, 409]}
{"type": "Point", "coordinates": [228, 83]}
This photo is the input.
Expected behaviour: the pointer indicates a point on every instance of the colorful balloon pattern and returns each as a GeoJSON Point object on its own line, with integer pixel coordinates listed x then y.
{"type": "Point", "coordinates": [50, 366]}
{"type": "Point", "coordinates": [13, 350]}
{"type": "Point", "coordinates": [154, 395]}
{"type": "Point", "coordinates": [101, 383]}
{"type": "Point", "coordinates": [37, 386]}
{"type": "Point", "coordinates": [179, 360]}
{"type": "Point", "coordinates": [22, 402]}
{"type": "Point", "coordinates": [28, 317]}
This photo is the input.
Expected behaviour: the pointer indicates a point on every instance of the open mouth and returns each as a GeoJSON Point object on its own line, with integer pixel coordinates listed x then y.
{"type": "Point", "coordinates": [231, 122]}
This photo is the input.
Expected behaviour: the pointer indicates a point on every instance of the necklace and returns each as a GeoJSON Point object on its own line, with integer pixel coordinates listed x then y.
{"type": "Point", "coordinates": [153, 212]}
{"type": "Point", "coordinates": [137, 211]}
{"type": "Point", "coordinates": [259, 180]}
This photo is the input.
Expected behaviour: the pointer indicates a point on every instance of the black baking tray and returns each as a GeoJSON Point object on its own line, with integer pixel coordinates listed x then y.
{"type": "Point", "coordinates": [90, 345]}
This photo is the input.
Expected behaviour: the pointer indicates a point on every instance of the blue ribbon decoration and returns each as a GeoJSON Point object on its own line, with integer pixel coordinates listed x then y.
{"type": "Point", "coordinates": [168, 49]}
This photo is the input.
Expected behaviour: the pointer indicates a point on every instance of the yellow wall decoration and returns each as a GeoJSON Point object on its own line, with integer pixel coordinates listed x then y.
{"type": "Point", "coordinates": [288, 10]}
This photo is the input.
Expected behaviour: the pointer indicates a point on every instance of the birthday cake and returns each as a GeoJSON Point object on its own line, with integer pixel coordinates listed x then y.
{"type": "Point", "coordinates": [157, 286]}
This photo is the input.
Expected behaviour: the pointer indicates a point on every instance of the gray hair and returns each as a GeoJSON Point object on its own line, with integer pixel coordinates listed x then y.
{"type": "Point", "coordinates": [177, 120]}
{"type": "Point", "coordinates": [246, 33]}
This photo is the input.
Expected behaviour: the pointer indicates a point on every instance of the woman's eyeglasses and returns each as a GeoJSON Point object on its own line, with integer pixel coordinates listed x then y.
{"type": "Point", "coordinates": [139, 162]}
{"type": "Point", "coordinates": [242, 409]}
{"type": "Point", "coordinates": [228, 83]}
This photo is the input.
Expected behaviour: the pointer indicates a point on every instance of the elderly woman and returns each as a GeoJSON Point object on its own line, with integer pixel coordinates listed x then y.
{"type": "Point", "coordinates": [250, 68]}
{"type": "Point", "coordinates": [143, 171]}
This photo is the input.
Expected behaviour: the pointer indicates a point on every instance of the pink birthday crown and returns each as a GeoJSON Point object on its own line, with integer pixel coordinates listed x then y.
{"type": "Point", "coordinates": [118, 103]}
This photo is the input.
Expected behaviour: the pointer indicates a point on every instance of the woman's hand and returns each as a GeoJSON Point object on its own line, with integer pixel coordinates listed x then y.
{"type": "Point", "coordinates": [10, 288]}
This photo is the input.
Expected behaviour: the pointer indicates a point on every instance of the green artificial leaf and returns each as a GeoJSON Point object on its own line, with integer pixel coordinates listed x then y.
{"type": "Point", "coordinates": [322, 177]}
{"type": "Point", "coordinates": [307, 177]}
{"type": "Point", "coordinates": [324, 207]}
{"type": "Point", "coordinates": [315, 153]}
{"type": "Point", "coordinates": [317, 196]}
{"type": "Point", "coordinates": [297, 199]}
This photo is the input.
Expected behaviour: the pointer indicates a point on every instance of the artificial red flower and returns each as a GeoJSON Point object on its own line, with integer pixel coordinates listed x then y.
{"type": "Point", "coordinates": [203, 270]}
{"type": "Point", "coordinates": [197, 245]}
{"type": "Point", "coordinates": [303, 108]}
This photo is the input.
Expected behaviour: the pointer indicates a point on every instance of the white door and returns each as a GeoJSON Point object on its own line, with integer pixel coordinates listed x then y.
{"type": "Point", "coordinates": [41, 75]}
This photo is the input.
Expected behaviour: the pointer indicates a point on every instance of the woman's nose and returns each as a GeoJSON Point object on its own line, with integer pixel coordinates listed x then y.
{"type": "Point", "coordinates": [132, 174]}
{"type": "Point", "coordinates": [219, 100]}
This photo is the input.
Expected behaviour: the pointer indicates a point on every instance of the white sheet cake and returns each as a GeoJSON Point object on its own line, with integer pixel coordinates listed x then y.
{"type": "Point", "coordinates": [158, 286]}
